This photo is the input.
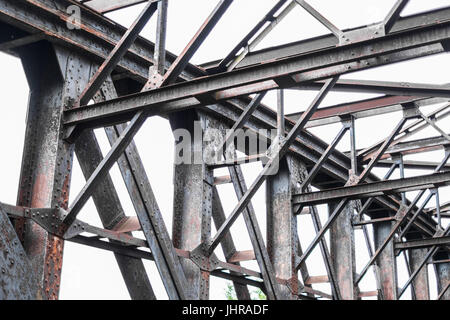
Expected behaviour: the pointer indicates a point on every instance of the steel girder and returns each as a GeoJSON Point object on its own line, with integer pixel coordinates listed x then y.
{"type": "Point", "coordinates": [221, 94]}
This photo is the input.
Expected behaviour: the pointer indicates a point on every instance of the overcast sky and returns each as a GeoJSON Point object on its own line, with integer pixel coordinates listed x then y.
{"type": "Point", "coordinates": [93, 274]}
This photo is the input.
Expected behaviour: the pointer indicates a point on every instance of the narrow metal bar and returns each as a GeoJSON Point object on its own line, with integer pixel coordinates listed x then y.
{"type": "Point", "coordinates": [269, 166]}
{"type": "Point", "coordinates": [280, 114]}
{"type": "Point", "coordinates": [324, 157]}
{"type": "Point", "coordinates": [110, 211]}
{"type": "Point", "coordinates": [438, 207]}
{"type": "Point", "coordinates": [429, 254]}
{"type": "Point", "coordinates": [381, 150]}
{"type": "Point", "coordinates": [390, 235]}
{"type": "Point", "coordinates": [326, 256]}
{"type": "Point", "coordinates": [256, 238]}
{"type": "Point", "coordinates": [370, 200]}
{"type": "Point", "coordinates": [243, 118]}
{"type": "Point", "coordinates": [273, 22]}
{"type": "Point", "coordinates": [104, 167]}
{"type": "Point", "coordinates": [244, 42]}
{"type": "Point", "coordinates": [227, 244]}
{"type": "Point", "coordinates": [319, 17]}
{"type": "Point", "coordinates": [183, 59]}
{"type": "Point", "coordinates": [394, 14]}
{"type": "Point", "coordinates": [353, 154]}
{"type": "Point", "coordinates": [117, 53]}
{"type": "Point", "coordinates": [161, 33]}
{"type": "Point", "coordinates": [401, 166]}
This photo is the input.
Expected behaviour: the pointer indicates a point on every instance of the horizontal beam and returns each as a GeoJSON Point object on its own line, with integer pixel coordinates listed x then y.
{"type": "Point", "coordinates": [423, 243]}
{"type": "Point", "coordinates": [93, 41]}
{"type": "Point", "coordinates": [416, 146]}
{"type": "Point", "coordinates": [413, 90]}
{"type": "Point", "coordinates": [374, 189]}
{"type": "Point", "coordinates": [281, 73]}
{"type": "Point", "coordinates": [329, 40]}
{"type": "Point", "coordinates": [412, 164]}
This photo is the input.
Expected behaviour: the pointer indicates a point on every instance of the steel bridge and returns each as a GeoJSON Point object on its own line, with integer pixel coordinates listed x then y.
{"type": "Point", "coordinates": [70, 62]}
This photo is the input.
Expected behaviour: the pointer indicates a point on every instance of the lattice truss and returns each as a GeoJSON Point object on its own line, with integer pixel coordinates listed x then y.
{"type": "Point", "coordinates": [96, 75]}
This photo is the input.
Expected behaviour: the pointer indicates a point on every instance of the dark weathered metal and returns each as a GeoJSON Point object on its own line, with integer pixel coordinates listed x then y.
{"type": "Point", "coordinates": [118, 52]}
{"type": "Point", "coordinates": [61, 54]}
{"type": "Point", "coordinates": [18, 281]}
{"type": "Point", "coordinates": [385, 258]}
{"type": "Point", "coordinates": [47, 159]}
{"type": "Point", "coordinates": [227, 244]}
{"type": "Point", "coordinates": [319, 17]}
{"type": "Point", "coordinates": [147, 210]}
{"type": "Point", "coordinates": [394, 14]}
{"type": "Point", "coordinates": [111, 213]}
{"type": "Point", "coordinates": [274, 158]}
{"type": "Point", "coordinates": [342, 251]}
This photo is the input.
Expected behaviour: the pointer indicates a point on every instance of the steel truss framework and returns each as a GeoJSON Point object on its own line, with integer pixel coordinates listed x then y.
{"type": "Point", "coordinates": [101, 61]}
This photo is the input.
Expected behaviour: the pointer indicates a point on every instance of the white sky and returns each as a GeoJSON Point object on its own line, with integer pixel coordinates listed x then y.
{"type": "Point", "coordinates": [93, 274]}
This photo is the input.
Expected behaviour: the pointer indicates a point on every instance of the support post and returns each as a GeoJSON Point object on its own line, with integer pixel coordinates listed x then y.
{"type": "Point", "coordinates": [420, 283]}
{"type": "Point", "coordinates": [55, 78]}
{"type": "Point", "coordinates": [193, 183]}
{"type": "Point", "coordinates": [342, 250]}
{"type": "Point", "coordinates": [282, 223]}
{"type": "Point", "coordinates": [386, 260]}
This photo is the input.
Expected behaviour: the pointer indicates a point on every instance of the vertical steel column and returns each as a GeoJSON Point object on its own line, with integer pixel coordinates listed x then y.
{"type": "Point", "coordinates": [193, 184]}
{"type": "Point", "coordinates": [342, 251]}
{"type": "Point", "coordinates": [56, 78]}
{"type": "Point", "coordinates": [420, 283]}
{"type": "Point", "coordinates": [282, 223]}
{"type": "Point", "coordinates": [386, 261]}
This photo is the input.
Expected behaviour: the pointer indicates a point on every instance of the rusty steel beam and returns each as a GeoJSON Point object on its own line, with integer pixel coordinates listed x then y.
{"type": "Point", "coordinates": [47, 159]}
{"type": "Point", "coordinates": [18, 281]}
{"type": "Point", "coordinates": [117, 53]}
{"type": "Point", "coordinates": [271, 164]}
{"type": "Point", "coordinates": [147, 209]}
{"type": "Point", "coordinates": [422, 243]}
{"type": "Point", "coordinates": [342, 251]}
{"type": "Point", "coordinates": [257, 78]}
{"type": "Point", "coordinates": [386, 263]}
{"type": "Point", "coordinates": [138, 68]}
{"type": "Point", "coordinates": [374, 189]}
{"type": "Point", "coordinates": [282, 225]}
{"type": "Point", "coordinates": [111, 214]}
{"type": "Point", "coordinates": [217, 94]}
{"type": "Point", "coordinates": [228, 246]}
